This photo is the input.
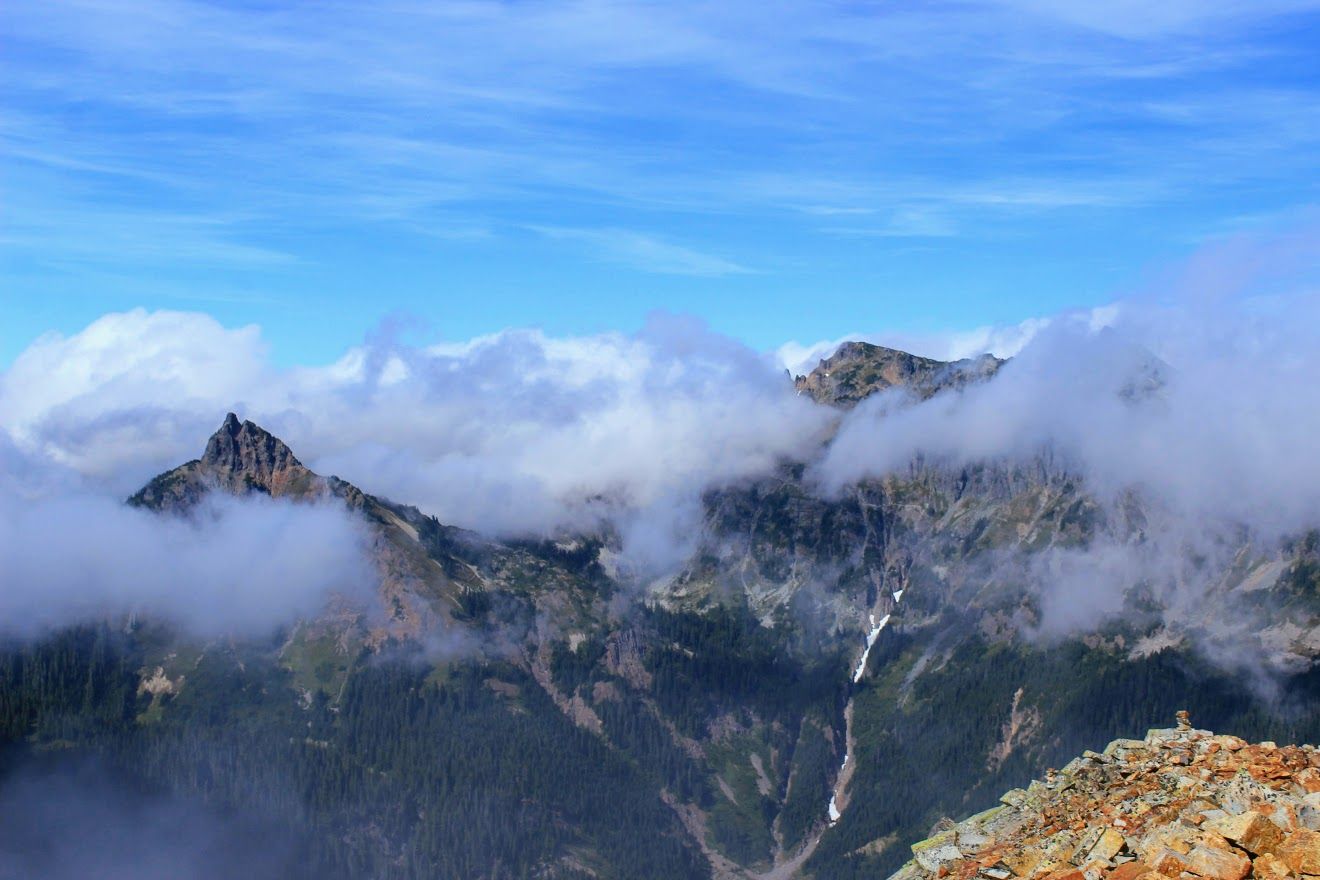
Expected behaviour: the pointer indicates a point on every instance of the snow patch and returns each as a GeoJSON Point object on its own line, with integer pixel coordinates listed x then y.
{"type": "Point", "coordinates": [870, 642]}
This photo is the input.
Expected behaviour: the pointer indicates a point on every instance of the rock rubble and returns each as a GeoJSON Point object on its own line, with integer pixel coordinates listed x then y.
{"type": "Point", "coordinates": [1181, 804]}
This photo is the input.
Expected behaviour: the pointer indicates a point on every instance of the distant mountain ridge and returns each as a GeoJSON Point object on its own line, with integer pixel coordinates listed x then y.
{"type": "Point", "coordinates": [856, 370]}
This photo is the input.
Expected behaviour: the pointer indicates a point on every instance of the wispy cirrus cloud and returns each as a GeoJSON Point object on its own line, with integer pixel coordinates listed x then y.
{"type": "Point", "coordinates": [647, 253]}
{"type": "Point", "coordinates": [694, 140]}
{"type": "Point", "coordinates": [471, 101]}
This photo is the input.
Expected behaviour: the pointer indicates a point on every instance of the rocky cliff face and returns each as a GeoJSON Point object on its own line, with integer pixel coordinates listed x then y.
{"type": "Point", "coordinates": [241, 457]}
{"type": "Point", "coordinates": [1181, 803]}
{"type": "Point", "coordinates": [244, 456]}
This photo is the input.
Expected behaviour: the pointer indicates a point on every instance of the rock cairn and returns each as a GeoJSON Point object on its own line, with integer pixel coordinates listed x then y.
{"type": "Point", "coordinates": [1181, 804]}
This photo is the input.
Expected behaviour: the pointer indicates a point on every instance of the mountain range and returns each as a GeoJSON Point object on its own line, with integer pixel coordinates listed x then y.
{"type": "Point", "coordinates": [824, 678]}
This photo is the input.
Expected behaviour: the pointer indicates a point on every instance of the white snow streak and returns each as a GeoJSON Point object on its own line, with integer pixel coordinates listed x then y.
{"type": "Point", "coordinates": [870, 641]}
{"type": "Point", "coordinates": [871, 636]}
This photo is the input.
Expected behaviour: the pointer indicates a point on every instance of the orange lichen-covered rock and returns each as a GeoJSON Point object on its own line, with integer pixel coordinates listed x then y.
{"type": "Point", "coordinates": [1270, 867]}
{"type": "Point", "coordinates": [1023, 862]}
{"type": "Point", "coordinates": [1065, 874]}
{"type": "Point", "coordinates": [1128, 871]}
{"type": "Point", "coordinates": [1180, 804]}
{"type": "Point", "coordinates": [1250, 830]}
{"type": "Point", "coordinates": [1308, 779]}
{"type": "Point", "coordinates": [1218, 863]}
{"type": "Point", "coordinates": [1169, 862]}
{"type": "Point", "coordinates": [1171, 836]}
{"type": "Point", "coordinates": [1300, 850]}
{"type": "Point", "coordinates": [1095, 869]}
{"type": "Point", "coordinates": [1109, 844]}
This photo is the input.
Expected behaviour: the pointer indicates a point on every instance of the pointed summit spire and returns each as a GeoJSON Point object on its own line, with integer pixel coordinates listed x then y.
{"type": "Point", "coordinates": [241, 457]}
{"type": "Point", "coordinates": [245, 456]}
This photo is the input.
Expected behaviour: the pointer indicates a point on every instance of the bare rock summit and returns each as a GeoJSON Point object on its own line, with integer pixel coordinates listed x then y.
{"type": "Point", "coordinates": [240, 458]}
{"type": "Point", "coordinates": [245, 456]}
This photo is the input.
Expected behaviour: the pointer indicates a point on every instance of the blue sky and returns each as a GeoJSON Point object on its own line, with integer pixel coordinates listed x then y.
{"type": "Point", "coordinates": [785, 170]}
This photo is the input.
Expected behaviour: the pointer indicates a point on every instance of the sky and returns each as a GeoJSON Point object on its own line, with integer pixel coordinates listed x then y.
{"type": "Point", "coordinates": [785, 172]}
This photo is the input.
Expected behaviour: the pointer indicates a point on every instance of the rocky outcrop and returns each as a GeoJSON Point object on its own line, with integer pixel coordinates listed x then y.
{"type": "Point", "coordinates": [1181, 803]}
{"type": "Point", "coordinates": [240, 458]}
{"type": "Point", "coordinates": [859, 369]}
{"type": "Point", "coordinates": [244, 456]}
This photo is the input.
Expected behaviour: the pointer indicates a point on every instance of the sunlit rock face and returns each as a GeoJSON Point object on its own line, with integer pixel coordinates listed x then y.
{"type": "Point", "coordinates": [240, 457]}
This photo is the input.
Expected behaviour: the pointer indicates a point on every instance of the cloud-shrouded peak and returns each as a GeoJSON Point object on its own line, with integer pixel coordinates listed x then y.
{"type": "Point", "coordinates": [1205, 402]}
{"type": "Point", "coordinates": [1001, 341]}
{"type": "Point", "coordinates": [240, 458]}
{"type": "Point", "coordinates": [515, 433]}
{"type": "Point", "coordinates": [857, 370]}
{"type": "Point", "coordinates": [245, 560]}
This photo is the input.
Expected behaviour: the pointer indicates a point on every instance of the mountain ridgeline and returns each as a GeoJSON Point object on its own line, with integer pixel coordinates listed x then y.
{"type": "Point", "coordinates": [822, 682]}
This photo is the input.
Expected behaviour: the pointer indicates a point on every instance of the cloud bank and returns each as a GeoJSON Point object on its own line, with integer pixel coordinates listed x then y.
{"type": "Point", "coordinates": [1208, 407]}
{"type": "Point", "coordinates": [241, 566]}
{"type": "Point", "coordinates": [74, 819]}
{"type": "Point", "coordinates": [510, 434]}
{"type": "Point", "coordinates": [1199, 396]}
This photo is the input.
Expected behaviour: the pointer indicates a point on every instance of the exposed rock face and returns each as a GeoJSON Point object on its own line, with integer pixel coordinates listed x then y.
{"type": "Point", "coordinates": [1182, 803]}
{"type": "Point", "coordinates": [928, 529]}
{"type": "Point", "coordinates": [245, 456]}
{"type": "Point", "coordinates": [859, 369]}
{"type": "Point", "coordinates": [241, 457]}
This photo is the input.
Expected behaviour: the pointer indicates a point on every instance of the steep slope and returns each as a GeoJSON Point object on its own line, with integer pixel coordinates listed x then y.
{"type": "Point", "coordinates": [934, 582]}
{"type": "Point", "coordinates": [430, 575]}
{"type": "Point", "coordinates": [1179, 803]}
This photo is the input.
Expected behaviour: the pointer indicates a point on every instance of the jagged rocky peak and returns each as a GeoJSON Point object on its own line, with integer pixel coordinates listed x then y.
{"type": "Point", "coordinates": [240, 457]}
{"type": "Point", "coordinates": [1181, 803]}
{"type": "Point", "coordinates": [247, 454]}
{"type": "Point", "coordinates": [859, 369]}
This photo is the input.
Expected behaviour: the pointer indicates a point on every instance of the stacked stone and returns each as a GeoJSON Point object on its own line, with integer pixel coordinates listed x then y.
{"type": "Point", "coordinates": [1182, 803]}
